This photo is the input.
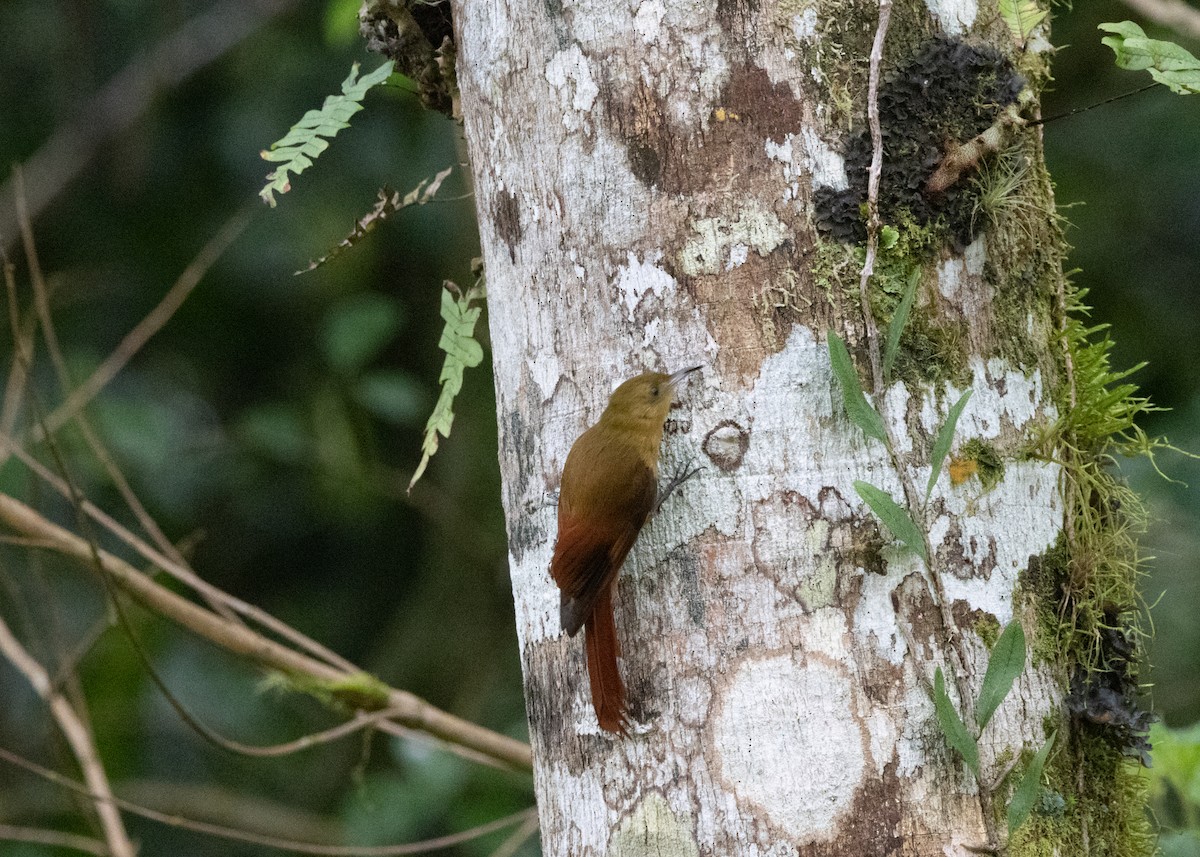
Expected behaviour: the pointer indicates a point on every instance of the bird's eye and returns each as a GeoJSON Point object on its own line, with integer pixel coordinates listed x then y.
{"type": "Point", "coordinates": [654, 390]}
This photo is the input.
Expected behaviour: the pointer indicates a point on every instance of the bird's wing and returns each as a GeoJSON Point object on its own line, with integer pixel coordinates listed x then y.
{"type": "Point", "coordinates": [592, 545]}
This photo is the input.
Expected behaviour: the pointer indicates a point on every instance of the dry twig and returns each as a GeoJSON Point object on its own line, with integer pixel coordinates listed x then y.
{"type": "Point", "coordinates": [1175, 14]}
{"type": "Point", "coordinates": [413, 712]}
{"type": "Point", "coordinates": [78, 738]}
{"type": "Point", "coordinates": [53, 838]}
{"type": "Point", "coordinates": [422, 847]}
{"type": "Point", "coordinates": [885, 17]}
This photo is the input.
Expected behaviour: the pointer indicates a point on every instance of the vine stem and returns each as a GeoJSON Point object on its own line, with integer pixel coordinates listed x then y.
{"type": "Point", "coordinates": [873, 175]}
{"type": "Point", "coordinates": [912, 496]}
{"type": "Point", "coordinates": [79, 738]}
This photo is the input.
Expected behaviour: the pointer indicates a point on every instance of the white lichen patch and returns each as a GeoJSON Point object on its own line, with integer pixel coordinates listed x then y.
{"type": "Point", "coordinates": [786, 708]}
{"type": "Point", "coordinates": [874, 615]}
{"type": "Point", "coordinates": [711, 247]}
{"type": "Point", "coordinates": [635, 279]}
{"type": "Point", "coordinates": [955, 16]}
{"type": "Point", "coordinates": [653, 828]}
{"type": "Point", "coordinates": [648, 20]}
{"type": "Point", "coordinates": [563, 790]}
{"type": "Point", "coordinates": [1019, 518]}
{"type": "Point", "coordinates": [1002, 396]}
{"type": "Point", "coordinates": [808, 154]}
{"type": "Point", "coordinates": [825, 164]}
{"type": "Point", "coordinates": [569, 74]}
{"type": "Point", "coordinates": [545, 370]}
{"type": "Point", "coordinates": [959, 272]}
{"type": "Point", "coordinates": [804, 25]}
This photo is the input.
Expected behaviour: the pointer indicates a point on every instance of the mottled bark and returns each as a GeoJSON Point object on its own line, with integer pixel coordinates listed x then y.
{"type": "Point", "coordinates": [645, 174]}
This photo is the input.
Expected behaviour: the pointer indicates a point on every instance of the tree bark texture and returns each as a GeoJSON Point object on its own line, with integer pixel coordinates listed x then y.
{"type": "Point", "coordinates": [645, 177]}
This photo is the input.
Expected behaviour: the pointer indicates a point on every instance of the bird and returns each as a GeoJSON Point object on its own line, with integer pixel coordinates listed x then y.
{"type": "Point", "coordinates": [609, 488]}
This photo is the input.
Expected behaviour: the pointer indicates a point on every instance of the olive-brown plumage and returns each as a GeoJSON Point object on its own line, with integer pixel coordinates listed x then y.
{"type": "Point", "coordinates": [609, 487]}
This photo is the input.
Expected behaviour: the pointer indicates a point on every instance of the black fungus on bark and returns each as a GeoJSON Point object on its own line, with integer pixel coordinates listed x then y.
{"type": "Point", "coordinates": [1108, 698]}
{"type": "Point", "coordinates": [948, 92]}
{"type": "Point", "coordinates": [418, 36]}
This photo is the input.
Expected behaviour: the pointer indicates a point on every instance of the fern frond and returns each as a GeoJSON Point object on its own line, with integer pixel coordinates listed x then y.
{"type": "Point", "coordinates": [387, 203]}
{"type": "Point", "coordinates": [462, 352]}
{"type": "Point", "coordinates": [305, 141]}
{"type": "Point", "coordinates": [1021, 16]}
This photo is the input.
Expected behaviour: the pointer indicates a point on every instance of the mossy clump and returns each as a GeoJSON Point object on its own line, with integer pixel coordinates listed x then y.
{"type": "Point", "coordinates": [989, 467]}
{"type": "Point", "coordinates": [932, 352]}
{"type": "Point", "coordinates": [1085, 588]}
{"type": "Point", "coordinates": [357, 692]}
{"type": "Point", "coordinates": [946, 93]}
{"type": "Point", "coordinates": [987, 627]}
{"type": "Point", "coordinates": [1101, 814]}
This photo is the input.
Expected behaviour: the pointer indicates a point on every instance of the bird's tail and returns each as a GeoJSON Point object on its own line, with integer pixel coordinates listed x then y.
{"type": "Point", "coordinates": [608, 691]}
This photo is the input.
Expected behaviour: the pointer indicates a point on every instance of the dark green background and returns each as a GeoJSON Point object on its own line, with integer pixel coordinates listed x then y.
{"type": "Point", "coordinates": [254, 423]}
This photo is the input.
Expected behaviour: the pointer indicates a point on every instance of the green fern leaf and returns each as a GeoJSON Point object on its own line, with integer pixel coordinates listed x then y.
{"type": "Point", "coordinates": [1021, 16]}
{"type": "Point", "coordinates": [462, 352]}
{"type": "Point", "coordinates": [304, 142]}
{"type": "Point", "coordinates": [1167, 62]}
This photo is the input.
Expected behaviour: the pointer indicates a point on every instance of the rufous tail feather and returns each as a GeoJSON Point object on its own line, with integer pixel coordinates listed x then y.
{"type": "Point", "coordinates": [608, 691]}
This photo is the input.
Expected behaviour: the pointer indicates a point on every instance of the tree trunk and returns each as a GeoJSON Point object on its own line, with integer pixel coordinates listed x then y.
{"type": "Point", "coordinates": [666, 183]}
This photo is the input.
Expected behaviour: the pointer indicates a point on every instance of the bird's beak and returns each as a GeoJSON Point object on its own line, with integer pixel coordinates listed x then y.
{"type": "Point", "coordinates": [679, 377]}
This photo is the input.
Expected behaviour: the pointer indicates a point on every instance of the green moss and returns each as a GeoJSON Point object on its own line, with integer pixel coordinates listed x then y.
{"type": "Point", "coordinates": [1041, 584]}
{"type": "Point", "coordinates": [1100, 815]}
{"type": "Point", "coordinates": [988, 629]}
{"type": "Point", "coordinates": [358, 692]}
{"type": "Point", "coordinates": [989, 467]}
{"type": "Point", "coordinates": [1091, 576]}
{"type": "Point", "coordinates": [1013, 195]}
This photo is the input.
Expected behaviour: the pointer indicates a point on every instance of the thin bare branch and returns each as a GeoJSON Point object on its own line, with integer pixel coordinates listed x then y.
{"type": "Point", "coordinates": [391, 727]}
{"type": "Point", "coordinates": [518, 838]}
{"type": "Point", "coordinates": [41, 294]}
{"type": "Point", "coordinates": [873, 174]}
{"type": "Point", "coordinates": [54, 838]}
{"type": "Point", "coordinates": [362, 720]}
{"type": "Point", "coordinates": [232, 806]}
{"type": "Point", "coordinates": [176, 570]}
{"type": "Point", "coordinates": [73, 408]}
{"type": "Point", "coordinates": [422, 847]}
{"type": "Point", "coordinates": [79, 739]}
{"type": "Point", "coordinates": [912, 496]}
{"type": "Point", "coordinates": [148, 326]}
{"type": "Point", "coordinates": [1179, 16]}
{"type": "Point", "coordinates": [22, 332]}
{"type": "Point", "coordinates": [413, 712]}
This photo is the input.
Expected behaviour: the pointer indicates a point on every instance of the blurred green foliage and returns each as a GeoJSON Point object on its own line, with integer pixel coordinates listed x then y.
{"type": "Point", "coordinates": [1175, 788]}
{"type": "Point", "coordinates": [276, 420]}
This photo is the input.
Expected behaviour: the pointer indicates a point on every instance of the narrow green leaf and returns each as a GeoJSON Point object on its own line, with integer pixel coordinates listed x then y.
{"type": "Point", "coordinates": [894, 517]}
{"type": "Point", "coordinates": [899, 320]}
{"type": "Point", "coordinates": [1167, 62]}
{"type": "Point", "coordinates": [1006, 662]}
{"type": "Point", "coordinates": [860, 411]}
{"type": "Point", "coordinates": [462, 352]}
{"type": "Point", "coordinates": [941, 444]}
{"type": "Point", "coordinates": [1021, 16]}
{"type": "Point", "coordinates": [1027, 792]}
{"type": "Point", "coordinates": [952, 725]}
